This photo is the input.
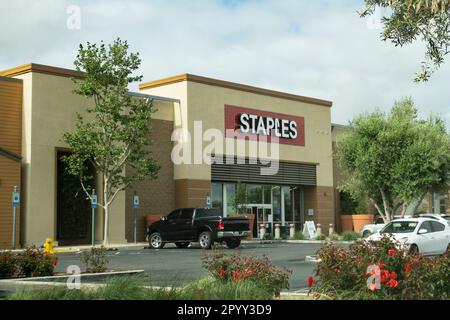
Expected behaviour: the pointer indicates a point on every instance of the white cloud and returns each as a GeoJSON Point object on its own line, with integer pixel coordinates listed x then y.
{"type": "Point", "coordinates": [316, 48]}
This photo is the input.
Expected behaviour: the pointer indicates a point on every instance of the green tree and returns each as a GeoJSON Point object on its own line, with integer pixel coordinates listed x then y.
{"type": "Point", "coordinates": [115, 136]}
{"type": "Point", "coordinates": [408, 20]}
{"type": "Point", "coordinates": [394, 159]}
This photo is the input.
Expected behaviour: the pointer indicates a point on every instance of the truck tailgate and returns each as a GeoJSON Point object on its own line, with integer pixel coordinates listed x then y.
{"type": "Point", "coordinates": [236, 224]}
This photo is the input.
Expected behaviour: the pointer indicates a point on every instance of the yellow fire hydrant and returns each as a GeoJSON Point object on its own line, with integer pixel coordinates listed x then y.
{"type": "Point", "coordinates": [49, 246]}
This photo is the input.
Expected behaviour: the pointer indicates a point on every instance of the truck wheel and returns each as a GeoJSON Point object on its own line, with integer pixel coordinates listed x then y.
{"type": "Point", "coordinates": [233, 243]}
{"type": "Point", "coordinates": [205, 240]}
{"type": "Point", "coordinates": [155, 241]}
{"type": "Point", "coordinates": [182, 245]}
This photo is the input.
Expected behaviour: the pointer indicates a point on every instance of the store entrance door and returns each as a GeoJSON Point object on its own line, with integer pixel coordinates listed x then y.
{"type": "Point", "coordinates": [263, 214]}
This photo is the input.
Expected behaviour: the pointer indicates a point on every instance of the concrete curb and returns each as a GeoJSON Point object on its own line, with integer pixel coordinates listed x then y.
{"type": "Point", "coordinates": [35, 280]}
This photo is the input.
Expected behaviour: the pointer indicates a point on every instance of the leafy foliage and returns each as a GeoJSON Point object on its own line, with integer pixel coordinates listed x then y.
{"type": "Point", "coordinates": [344, 274]}
{"type": "Point", "coordinates": [95, 259]}
{"type": "Point", "coordinates": [236, 268]}
{"type": "Point", "coordinates": [394, 159]}
{"type": "Point", "coordinates": [33, 262]}
{"type": "Point", "coordinates": [413, 19]}
{"type": "Point", "coordinates": [115, 135]}
{"type": "Point", "coordinates": [8, 262]}
{"type": "Point", "coordinates": [350, 236]}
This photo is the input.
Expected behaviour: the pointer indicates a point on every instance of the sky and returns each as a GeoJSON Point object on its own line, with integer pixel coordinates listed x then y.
{"type": "Point", "coordinates": [320, 48]}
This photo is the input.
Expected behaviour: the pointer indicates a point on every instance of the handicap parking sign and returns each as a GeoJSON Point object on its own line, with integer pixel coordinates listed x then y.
{"type": "Point", "coordinates": [16, 199]}
{"type": "Point", "coordinates": [94, 201]}
{"type": "Point", "coordinates": [136, 201]}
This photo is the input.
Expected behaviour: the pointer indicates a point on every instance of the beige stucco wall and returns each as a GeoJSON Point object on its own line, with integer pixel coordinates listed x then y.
{"type": "Point", "coordinates": [50, 109]}
{"type": "Point", "coordinates": [201, 102]}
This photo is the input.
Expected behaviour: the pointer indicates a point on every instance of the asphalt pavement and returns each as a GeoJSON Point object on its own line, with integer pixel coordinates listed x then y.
{"type": "Point", "coordinates": [172, 266]}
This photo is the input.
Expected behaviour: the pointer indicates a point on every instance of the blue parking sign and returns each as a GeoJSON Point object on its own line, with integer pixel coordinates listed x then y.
{"type": "Point", "coordinates": [16, 199]}
{"type": "Point", "coordinates": [94, 201]}
{"type": "Point", "coordinates": [136, 201]}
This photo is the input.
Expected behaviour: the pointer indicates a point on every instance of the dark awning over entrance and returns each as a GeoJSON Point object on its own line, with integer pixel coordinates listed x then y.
{"type": "Point", "coordinates": [288, 173]}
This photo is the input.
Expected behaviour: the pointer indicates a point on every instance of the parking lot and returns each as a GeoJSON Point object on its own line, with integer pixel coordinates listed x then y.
{"type": "Point", "coordinates": [173, 266]}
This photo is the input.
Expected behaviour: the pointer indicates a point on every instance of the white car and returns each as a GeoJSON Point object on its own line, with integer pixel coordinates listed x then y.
{"type": "Point", "coordinates": [376, 226]}
{"type": "Point", "coordinates": [424, 235]}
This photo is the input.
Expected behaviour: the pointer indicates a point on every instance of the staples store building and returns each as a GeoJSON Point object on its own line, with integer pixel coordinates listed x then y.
{"type": "Point", "coordinates": [297, 129]}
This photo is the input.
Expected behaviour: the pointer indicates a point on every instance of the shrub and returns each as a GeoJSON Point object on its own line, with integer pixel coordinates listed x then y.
{"type": "Point", "coordinates": [7, 265]}
{"type": "Point", "coordinates": [95, 259]}
{"type": "Point", "coordinates": [299, 236]}
{"type": "Point", "coordinates": [350, 236]}
{"type": "Point", "coordinates": [334, 237]}
{"type": "Point", "coordinates": [33, 262]}
{"type": "Point", "coordinates": [321, 237]}
{"type": "Point", "coordinates": [344, 274]}
{"type": "Point", "coordinates": [236, 268]}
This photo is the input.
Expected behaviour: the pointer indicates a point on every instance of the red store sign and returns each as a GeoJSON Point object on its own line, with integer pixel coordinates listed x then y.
{"type": "Point", "coordinates": [252, 124]}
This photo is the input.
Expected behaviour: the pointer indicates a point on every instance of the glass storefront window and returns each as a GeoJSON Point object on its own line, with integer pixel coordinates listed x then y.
{"type": "Point", "coordinates": [287, 197]}
{"type": "Point", "coordinates": [254, 194]}
{"type": "Point", "coordinates": [230, 191]}
{"type": "Point", "coordinates": [276, 202]}
{"type": "Point", "coordinates": [267, 195]}
{"type": "Point", "coordinates": [217, 196]}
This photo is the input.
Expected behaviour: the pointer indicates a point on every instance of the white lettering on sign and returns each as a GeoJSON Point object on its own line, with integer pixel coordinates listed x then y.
{"type": "Point", "coordinates": [267, 126]}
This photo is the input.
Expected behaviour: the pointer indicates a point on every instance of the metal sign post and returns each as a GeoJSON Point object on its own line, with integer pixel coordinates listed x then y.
{"type": "Point", "coordinates": [93, 206]}
{"type": "Point", "coordinates": [208, 200]}
{"type": "Point", "coordinates": [16, 204]}
{"type": "Point", "coordinates": [135, 207]}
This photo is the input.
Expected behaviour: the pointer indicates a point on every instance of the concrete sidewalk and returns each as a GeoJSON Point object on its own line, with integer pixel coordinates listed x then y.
{"type": "Point", "coordinates": [116, 246]}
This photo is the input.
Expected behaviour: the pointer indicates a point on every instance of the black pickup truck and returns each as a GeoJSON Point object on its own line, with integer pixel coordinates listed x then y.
{"type": "Point", "coordinates": [203, 225]}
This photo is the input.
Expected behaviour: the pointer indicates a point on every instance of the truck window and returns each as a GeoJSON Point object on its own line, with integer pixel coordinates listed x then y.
{"type": "Point", "coordinates": [186, 214]}
{"type": "Point", "coordinates": [207, 213]}
{"type": "Point", "coordinates": [173, 215]}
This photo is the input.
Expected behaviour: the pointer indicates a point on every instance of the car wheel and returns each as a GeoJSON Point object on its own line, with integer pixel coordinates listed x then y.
{"type": "Point", "coordinates": [205, 240]}
{"type": "Point", "coordinates": [155, 241]}
{"type": "Point", "coordinates": [182, 245]}
{"type": "Point", "coordinates": [414, 249]}
{"type": "Point", "coordinates": [233, 243]}
{"type": "Point", "coordinates": [367, 234]}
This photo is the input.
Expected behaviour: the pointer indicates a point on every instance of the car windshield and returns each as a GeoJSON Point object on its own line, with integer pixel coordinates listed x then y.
{"type": "Point", "coordinates": [400, 227]}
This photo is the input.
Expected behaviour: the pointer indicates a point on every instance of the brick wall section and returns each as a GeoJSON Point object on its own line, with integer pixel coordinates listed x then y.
{"type": "Point", "coordinates": [10, 170]}
{"type": "Point", "coordinates": [157, 197]}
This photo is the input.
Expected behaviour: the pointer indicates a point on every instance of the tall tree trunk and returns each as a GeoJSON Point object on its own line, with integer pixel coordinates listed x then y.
{"type": "Point", "coordinates": [106, 210]}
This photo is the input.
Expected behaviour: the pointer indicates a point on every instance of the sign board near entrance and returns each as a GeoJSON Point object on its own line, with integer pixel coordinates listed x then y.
{"type": "Point", "coordinates": [253, 124]}
{"type": "Point", "coordinates": [309, 230]}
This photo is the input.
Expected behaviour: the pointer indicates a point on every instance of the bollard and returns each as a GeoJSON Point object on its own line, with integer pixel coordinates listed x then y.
{"type": "Point", "coordinates": [262, 231]}
{"type": "Point", "coordinates": [292, 231]}
{"type": "Point", "coordinates": [319, 230]}
{"type": "Point", "coordinates": [277, 232]}
{"type": "Point", "coordinates": [330, 230]}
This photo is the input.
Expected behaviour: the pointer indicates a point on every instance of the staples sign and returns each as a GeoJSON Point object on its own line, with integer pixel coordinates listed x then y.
{"type": "Point", "coordinates": [252, 124]}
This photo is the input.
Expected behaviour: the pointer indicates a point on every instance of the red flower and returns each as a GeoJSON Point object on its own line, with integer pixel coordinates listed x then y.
{"type": "Point", "coordinates": [236, 275]}
{"type": "Point", "coordinates": [373, 287]}
{"type": "Point", "coordinates": [384, 275]}
{"type": "Point", "coordinates": [393, 275]}
{"type": "Point", "coordinates": [310, 281]}
{"type": "Point", "coordinates": [391, 252]}
{"type": "Point", "coordinates": [408, 268]}
{"type": "Point", "coordinates": [392, 284]}
{"type": "Point", "coordinates": [221, 273]}
{"type": "Point", "coordinates": [381, 265]}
